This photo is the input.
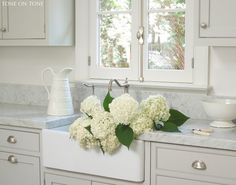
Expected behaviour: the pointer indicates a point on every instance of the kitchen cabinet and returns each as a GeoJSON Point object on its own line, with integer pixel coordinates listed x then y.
{"type": "Point", "coordinates": [20, 156]}
{"type": "Point", "coordinates": [191, 165]}
{"type": "Point", "coordinates": [24, 19]}
{"type": "Point", "coordinates": [18, 169]}
{"type": "Point", "coordinates": [51, 179]}
{"type": "Point", "coordinates": [214, 25]}
{"type": "Point", "coordinates": [37, 23]}
{"type": "Point", "coordinates": [161, 180]}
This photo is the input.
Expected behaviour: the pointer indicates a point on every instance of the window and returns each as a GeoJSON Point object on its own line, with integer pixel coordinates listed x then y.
{"type": "Point", "coordinates": [164, 50]}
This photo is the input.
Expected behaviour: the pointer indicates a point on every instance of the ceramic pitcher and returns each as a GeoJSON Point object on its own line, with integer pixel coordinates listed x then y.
{"type": "Point", "coordinates": [60, 100]}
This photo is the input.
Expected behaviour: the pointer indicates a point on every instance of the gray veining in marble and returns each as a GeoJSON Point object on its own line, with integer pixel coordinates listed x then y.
{"type": "Point", "coordinates": [221, 138]}
{"type": "Point", "coordinates": [31, 117]}
{"type": "Point", "coordinates": [187, 102]}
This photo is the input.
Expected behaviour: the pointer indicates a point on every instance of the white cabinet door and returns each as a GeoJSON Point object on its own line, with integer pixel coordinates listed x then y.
{"type": "Point", "coordinates": [161, 180]}
{"type": "Point", "coordinates": [51, 179]}
{"type": "Point", "coordinates": [19, 169]}
{"type": "Point", "coordinates": [24, 19]}
{"type": "Point", "coordinates": [217, 19]}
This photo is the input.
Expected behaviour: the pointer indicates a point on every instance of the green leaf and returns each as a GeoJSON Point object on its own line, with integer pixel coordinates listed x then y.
{"type": "Point", "coordinates": [177, 117]}
{"type": "Point", "coordinates": [108, 99]}
{"type": "Point", "coordinates": [88, 128]}
{"type": "Point", "coordinates": [170, 127]}
{"type": "Point", "coordinates": [124, 134]}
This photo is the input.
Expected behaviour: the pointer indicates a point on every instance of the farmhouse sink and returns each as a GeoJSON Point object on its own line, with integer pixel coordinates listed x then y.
{"type": "Point", "coordinates": [60, 152]}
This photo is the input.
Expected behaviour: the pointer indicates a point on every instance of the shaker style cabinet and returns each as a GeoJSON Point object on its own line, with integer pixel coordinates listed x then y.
{"type": "Point", "coordinates": [23, 19]}
{"type": "Point", "coordinates": [214, 23]}
{"type": "Point", "coordinates": [37, 22]}
{"type": "Point", "coordinates": [18, 169]}
{"type": "Point", "coordinates": [51, 179]}
{"type": "Point", "coordinates": [20, 156]}
{"type": "Point", "coordinates": [186, 165]}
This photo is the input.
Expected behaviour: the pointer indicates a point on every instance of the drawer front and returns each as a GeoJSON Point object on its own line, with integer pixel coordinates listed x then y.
{"type": "Point", "coordinates": [160, 180]}
{"type": "Point", "coordinates": [62, 180]}
{"type": "Point", "coordinates": [194, 162]}
{"type": "Point", "coordinates": [19, 169]}
{"type": "Point", "coordinates": [19, 140]}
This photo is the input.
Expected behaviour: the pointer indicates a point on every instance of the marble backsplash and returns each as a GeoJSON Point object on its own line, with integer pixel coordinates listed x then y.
{"type": "Point", "coordinates": [187, 102]}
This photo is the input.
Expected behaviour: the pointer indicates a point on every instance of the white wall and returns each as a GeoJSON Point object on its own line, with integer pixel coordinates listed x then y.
{"type": "Point", "coordinates": [23, 65]}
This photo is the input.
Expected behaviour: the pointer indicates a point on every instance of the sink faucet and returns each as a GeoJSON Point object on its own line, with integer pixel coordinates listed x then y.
{"type": "Point", "coordinates": [125, 85]}
{"type": "Point", "coordinates": [92, 86]}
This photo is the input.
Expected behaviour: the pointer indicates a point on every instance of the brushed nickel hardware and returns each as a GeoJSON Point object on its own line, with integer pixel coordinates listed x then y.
{"type": "Point", "coordinates": [89, 60]}
{"type": "Point", "coordinates": [3, 29]}
{"type": "Point", "coordinates": [199, 165]}
{"type": "Point", "coordinates": [140, 35]}
{"type": "Point", "coordinates": [193, 64]}
{"type": "Point", "coordinates": [125, 85]}
{"type": "Point", "coordinates": [92, 86]}
{"type": "Point", "coordinates": [11, 139]}
{"type": "Point", "coordinates": [12, 159]}
{"type": "Point", "coordinates": [203, 25]}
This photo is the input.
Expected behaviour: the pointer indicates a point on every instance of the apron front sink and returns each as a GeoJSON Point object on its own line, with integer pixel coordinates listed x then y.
{"type": "Point", "coordinates": [60, 152]}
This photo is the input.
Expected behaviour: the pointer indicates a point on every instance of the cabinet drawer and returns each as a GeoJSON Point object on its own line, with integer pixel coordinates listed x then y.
{"type": "Point", "coordinates": [19, 169]}
{"type": "Point", "coordinates": [160, 180]}
{"type": "Point", "coordinates": [62, 180]}
{"type": "Point", "coordinates": [19, 140]}
{"type": "Point", "coordinates": [195, 161]}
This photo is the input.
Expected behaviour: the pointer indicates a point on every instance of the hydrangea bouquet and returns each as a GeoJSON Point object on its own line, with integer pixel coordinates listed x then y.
{"type": "Point", "coordinates": [120, 120]}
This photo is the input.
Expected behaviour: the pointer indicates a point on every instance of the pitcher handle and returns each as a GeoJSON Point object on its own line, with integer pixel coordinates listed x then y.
{"type": "Point", "coordinates": [48, 69]}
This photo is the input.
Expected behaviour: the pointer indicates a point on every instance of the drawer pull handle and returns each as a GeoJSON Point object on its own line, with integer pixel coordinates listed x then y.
{"type": "Point", "coordinates": [199, 165]}
{"type": "Point", "coordinates": [12, 159]}
{"type": "Point", "coordinates": [11, 139]}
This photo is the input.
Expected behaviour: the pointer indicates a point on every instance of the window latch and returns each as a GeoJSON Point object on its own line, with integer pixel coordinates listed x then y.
{"type": "Point", "coordinates": [140, 35]}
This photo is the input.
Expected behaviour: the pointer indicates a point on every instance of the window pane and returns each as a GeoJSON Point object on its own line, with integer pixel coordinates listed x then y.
{"type": "Point", "coordinates": [115, 40]}
{"type": "Point", "coordinates": [166, 40]}
{"type": "Point", "coordinates": [164, 4]}
{"type": "Point", "coordinates": [115, 5]}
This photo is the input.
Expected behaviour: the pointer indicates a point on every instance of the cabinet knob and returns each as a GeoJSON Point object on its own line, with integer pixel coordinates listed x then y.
{"type": "Point", "coordinates": [199, 165]}
{"type": "Point", "coordinates": [12, 159]}
{"type": "Point", "coordinates": [203, 25]}
{"type": "Point", "coordinates": [3, 29]}
{"type": "Point", "coordinates": [11, 139]}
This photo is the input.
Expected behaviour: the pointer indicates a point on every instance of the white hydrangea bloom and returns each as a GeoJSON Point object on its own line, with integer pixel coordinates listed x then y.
{"type": "Point", "coordinates": [91, 105]}
{"type": "Point", "coordinates": [81, 134]}
{"type": "Point", "coordinates": [102, 125]}
{"type": "Point", "coordinates": [123, 109]}
{"type": "Point", "coordinates": [156, 108]}
{"type": "Point", "coordinates": [110, 144]}
{"type": "Point", "coordinates": [142, 124]}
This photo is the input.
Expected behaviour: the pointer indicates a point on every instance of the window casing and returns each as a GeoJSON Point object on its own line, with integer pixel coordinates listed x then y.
{"type": "Point", "coordinates": [139, 68]}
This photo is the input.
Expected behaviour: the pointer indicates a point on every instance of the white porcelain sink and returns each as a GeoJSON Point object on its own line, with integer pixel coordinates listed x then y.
{"type": "Point", "coordinates": [60, 152]}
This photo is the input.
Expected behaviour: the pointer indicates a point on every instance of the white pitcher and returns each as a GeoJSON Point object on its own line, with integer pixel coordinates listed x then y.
{"type": "Point", "coordinates": [60, 100]}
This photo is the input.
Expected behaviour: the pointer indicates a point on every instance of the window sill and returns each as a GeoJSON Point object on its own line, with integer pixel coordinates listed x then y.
{"type": "Point", "coordinates": [155, 85]}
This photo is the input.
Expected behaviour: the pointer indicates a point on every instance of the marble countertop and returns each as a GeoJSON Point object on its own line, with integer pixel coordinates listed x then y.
{"type": "Point", "coordinates": [31, 117]}
{"type": "Point", "coordinates": [221, 138]}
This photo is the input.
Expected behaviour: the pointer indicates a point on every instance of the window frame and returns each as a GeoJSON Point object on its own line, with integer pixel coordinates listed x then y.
{"type": "Point", "coordinates": [97, 72]}
{"type": "Point", "coordinates": [83, 53]}
{"type": "Point", "coordinates": [177, 76]}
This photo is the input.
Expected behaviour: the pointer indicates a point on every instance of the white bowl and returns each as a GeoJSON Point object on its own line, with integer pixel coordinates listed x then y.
{"type": "Point", "coordinates": [222, 111]}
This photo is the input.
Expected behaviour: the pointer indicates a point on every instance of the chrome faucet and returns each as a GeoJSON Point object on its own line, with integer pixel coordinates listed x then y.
{"type": "Point", "coordinates": [125, 85]}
